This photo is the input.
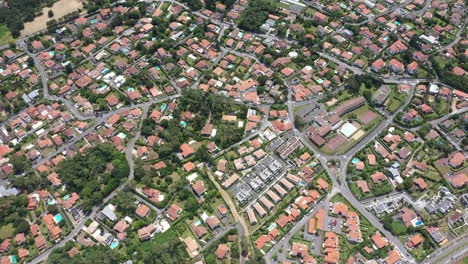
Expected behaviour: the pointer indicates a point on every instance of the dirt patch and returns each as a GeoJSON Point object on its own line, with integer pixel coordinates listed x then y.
{"type": "Point", "coordinates": [60, 9]}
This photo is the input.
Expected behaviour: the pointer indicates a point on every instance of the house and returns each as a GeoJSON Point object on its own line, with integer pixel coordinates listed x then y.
{"type": "Point", "coordinates": [377, 65]}
{"type": "Point", "coordinates": [393, 257]}
{"type": "Point", "coordinates": [299, 250]}
{"type": "Point", "coordinates": [379, 240]}
{"type": "Point", "coordinates": [187, 151]}
{"type": "Point", "coordinates": [396, 66]}
{"type": "Point", "coordinates": [40, 242]}
{"type": "Point", "coordinates": [221, 251]}
{"type": "Point", "coordinates": [457, 160]}
{"type": "Point", "coordinates": [121, 226]}
{"type": "Point", "coordinates": [408, 216]}
{"type": "Point", "coordinates": [378, 177]}
{"type": "Point", "coordinates": [142, 211]}
{"type": "Point", "coordinates": [350, 105]}
{"type": "Point", "coordinates": [199, 188]}
{"type": "Point", "coordinates": [212, 222]}
{"type": "Point", "coordinates": [174, 212]}
{"type": "Point", "coordinates": [414, 241]}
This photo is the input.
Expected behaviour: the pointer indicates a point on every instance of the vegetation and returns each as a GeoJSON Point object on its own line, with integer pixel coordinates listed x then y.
{"type": "Point", "coordinates": [20, 11]}
{"type": "Point", "coordinates": [5, 35]}
{"type": "Point", "coordinates": [211, 4]}
{"type": "Point", "coordinates": [92, 255]}
{"type": "Point", "coordinates": [256, 14]}
{"type": "Point", "coordinates": [444, 68]}
{"type": "Point", "coordinates": [163, 248]}
{"type": "Point", "coordinates": [94, 174]}
{"type": "Point", "coordinates": [12, 211]}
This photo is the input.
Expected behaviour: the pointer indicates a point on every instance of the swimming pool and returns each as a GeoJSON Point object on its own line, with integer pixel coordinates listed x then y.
{"type": "Point", "coordinates": [197, 223]}
{"type": "Point", "coordinates": [355, 160]}
{"type": "Point", "coordinates": [131, 89]}
{"type": "Point", "coordinates": [163, 107]}
{"type": "Point", "coordinates": [122, 135]}
{"type": "Point", "coordinates": [66, 197]}
{"type": "Point", "coordinates": [52, 53]}
{"type": "Point", "coordinates": [418, 223]}
{"type": "Point", "coordinates": [102, 88]}
{"type": "Point", "coordinates": [13, 259]}
{"type": "Point", "coordinates": [58, 218]}
{"type": "Point", "coordinates": [320, 81]}
{"type": "Point", "coordinates": [114, 245]}
{"type": "Point", "coordinates": [313, 164]}
{"type": "Point", "coordinates": [183, 123]}
{"type": "Point", "coordinates": [272, 226]}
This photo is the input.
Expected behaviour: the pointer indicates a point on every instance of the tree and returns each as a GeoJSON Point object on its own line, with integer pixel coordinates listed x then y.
{"type": "Point", "coordinates": [30, 62]}
{"type": "Point", "coordinates": [191, 205]}
{"type": "Point", "coordinates": [124, 201]}
{"type": "Point", "coordinates": [29, 182]}
{"type": "Point", "coordinates": [20, 164]}
{"type": "Point", "coordinates": [408, 183]}
{"type": "Point", "coordinates": [255, 15]}
{"type": "Point", "coordinates": [94, 173]}
{"type": "Point", "coordinates": [91, 255]}
{"type": "Point", "coordinates": [69, 68]}
{"type": "Point", "coordinates": [50, 13]}
{"type": "Point", "coordinates": [202, 153]}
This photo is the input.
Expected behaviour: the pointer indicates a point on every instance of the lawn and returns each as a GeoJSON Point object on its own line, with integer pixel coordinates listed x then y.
{"type": "Point", "coordinates": [5, 35]}
{"type": "Point", "coordinates": [6, 231]}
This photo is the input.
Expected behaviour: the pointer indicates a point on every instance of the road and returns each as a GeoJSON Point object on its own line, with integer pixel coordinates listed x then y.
{"type": "Point", "coordinates": [243, 228]}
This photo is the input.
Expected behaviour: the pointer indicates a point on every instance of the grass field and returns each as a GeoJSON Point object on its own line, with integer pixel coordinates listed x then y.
{"type": "Point", "coordinates": [60, 9]}
{"type": "Point", "coordinates": [5, 35]}
{"type": "Point", "coordinates": [6, 231]}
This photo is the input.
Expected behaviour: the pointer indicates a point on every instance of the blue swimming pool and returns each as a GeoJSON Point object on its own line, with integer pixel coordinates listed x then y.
{"type": "Point", "coordinates": [102, 88]}
{"type": "Point", "coordinates": [114, 245]}
{"type": "Point", "coordinates": [355, 160]}
{"type": "Point", "coordinates": [183, 123]}
{"type": "Point", "coordinates": [418, 223]}
{"type": "Point", "coordinates": [58, 218]}
{"type": "Point", "coordinates": [163, 107]}
{"type": "Point", "coordinates": [66, 197]}
{"type": "Point", "coordinates": [122, 135]}
{"type": "Point", "coordinates": [197, 223]}
{"type": "Point", "coordinates": [272, 226]}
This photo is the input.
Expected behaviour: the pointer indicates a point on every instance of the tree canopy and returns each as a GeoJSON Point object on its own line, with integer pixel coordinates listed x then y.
{"type": "Point", "coordinates": [256, 14]}
{"type": "Point", "coordinates": [94, 173]}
